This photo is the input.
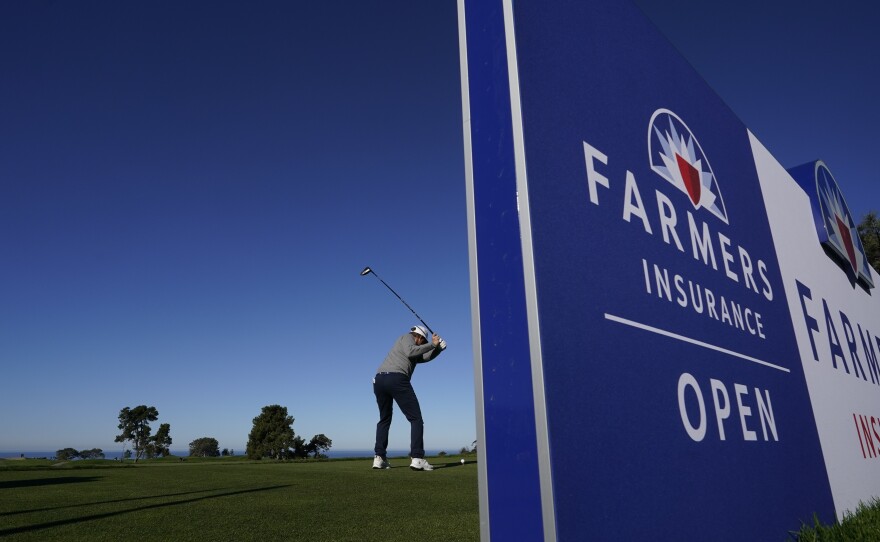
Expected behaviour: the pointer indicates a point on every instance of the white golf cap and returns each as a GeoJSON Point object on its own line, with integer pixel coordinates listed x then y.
{"type": "Point", "coordinates": [420, 330]}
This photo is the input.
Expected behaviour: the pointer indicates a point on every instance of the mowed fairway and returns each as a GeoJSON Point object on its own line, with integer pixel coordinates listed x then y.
{"type": "Point", "coordinates": [240, 500]}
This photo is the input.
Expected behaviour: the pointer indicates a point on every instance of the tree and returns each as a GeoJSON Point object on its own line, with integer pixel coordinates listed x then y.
{"type": "Point", "coordinates": [204, 447]}
{"type": "Point", "coordinates": [94, 453]}
{"type": "Point", "coordinates": [161, 443]}
{"type": "Point", "coordinates": [318, 445]}
{"type": "Point", "coordinates": [135, 426]}
{"type": "Point", "coordinates": [300, 448]}
{"type": "Point", "coordinates": [869, 231]}
{"type": "Point", "coordinates": [66, 454]}
{"type": "Point", "coordinates": [272, 434]}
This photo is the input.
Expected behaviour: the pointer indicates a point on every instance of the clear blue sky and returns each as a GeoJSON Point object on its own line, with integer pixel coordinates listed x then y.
{"type": "Point", "coordinates": [804, 76]}
{"type": "Point", "coordinates": [188, 193]}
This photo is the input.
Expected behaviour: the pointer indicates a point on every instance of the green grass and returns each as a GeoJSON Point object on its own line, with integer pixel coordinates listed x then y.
{"type": "Point", "coordinates": [861, 526]}
{"type": "Point", "coordinates": [235, 499]}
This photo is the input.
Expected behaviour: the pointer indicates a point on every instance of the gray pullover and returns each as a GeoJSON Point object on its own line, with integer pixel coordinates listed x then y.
{"type": "Point", "coordinates": [405, 354]}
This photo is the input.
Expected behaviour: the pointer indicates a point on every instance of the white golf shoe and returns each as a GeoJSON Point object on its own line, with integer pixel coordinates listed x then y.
{"type": "Point", "coordinates": [420, 464]}
{"type": "Point", "coordinates": [380, 463]}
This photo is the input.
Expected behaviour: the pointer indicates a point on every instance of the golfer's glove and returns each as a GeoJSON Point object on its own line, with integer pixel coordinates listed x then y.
{"type": "Point", "coordinates": [442, 344]}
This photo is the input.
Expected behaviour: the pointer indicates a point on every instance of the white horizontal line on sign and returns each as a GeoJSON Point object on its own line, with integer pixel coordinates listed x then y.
{"type": "Point", "coordinates": [665, 333]}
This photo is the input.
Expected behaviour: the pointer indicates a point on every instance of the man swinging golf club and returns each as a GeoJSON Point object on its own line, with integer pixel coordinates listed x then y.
{"type": "Point", "coordinates": [392, 384]}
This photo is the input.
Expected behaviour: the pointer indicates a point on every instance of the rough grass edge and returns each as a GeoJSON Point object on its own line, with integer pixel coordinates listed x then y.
{"type": "Point", "coordinates": [863, 524]}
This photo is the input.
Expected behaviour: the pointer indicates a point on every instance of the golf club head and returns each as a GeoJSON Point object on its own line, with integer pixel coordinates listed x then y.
{"type": "Point", "coordinates": [366, 271]}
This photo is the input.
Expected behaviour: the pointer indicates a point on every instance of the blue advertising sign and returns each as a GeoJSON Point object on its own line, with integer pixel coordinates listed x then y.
{"type": "Point", "coordinates": [637, 368]}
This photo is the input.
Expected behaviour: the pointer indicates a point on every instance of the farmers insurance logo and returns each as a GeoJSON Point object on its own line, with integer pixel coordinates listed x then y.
{"type": "Point", "coordinates": [840, 234]}
{"type": "Point", "coordinates": [676, 156]}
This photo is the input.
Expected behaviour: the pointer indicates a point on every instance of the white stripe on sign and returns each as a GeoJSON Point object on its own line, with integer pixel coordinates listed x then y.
{"type": "Point", "coordinates": [682, 338]}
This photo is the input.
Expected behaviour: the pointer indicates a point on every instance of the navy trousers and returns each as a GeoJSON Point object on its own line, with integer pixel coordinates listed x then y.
{"type": "Point", "coordinates": [395, 387]}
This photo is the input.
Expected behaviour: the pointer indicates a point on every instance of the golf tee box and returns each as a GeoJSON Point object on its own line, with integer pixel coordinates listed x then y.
{"type": "Point", "coordinates": [667, 344]}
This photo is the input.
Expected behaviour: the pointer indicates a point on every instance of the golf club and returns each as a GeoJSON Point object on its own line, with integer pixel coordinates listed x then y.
{"type": "Point", "coordinates": [367, 271]}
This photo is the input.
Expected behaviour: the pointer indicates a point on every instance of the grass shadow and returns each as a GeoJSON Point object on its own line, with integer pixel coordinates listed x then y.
{"type": "Point", "coordinates": [50, 524]}
{"type": "Point", "coordinates": [80, 505]}
{"type": "Point", "coordinates": [10, 484]}
{"type": "Point", "coordinates": [450, 465]}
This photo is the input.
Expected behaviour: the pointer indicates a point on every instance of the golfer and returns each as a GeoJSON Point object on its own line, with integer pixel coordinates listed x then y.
{"type": "Point", "coordinates": [392, 383]}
